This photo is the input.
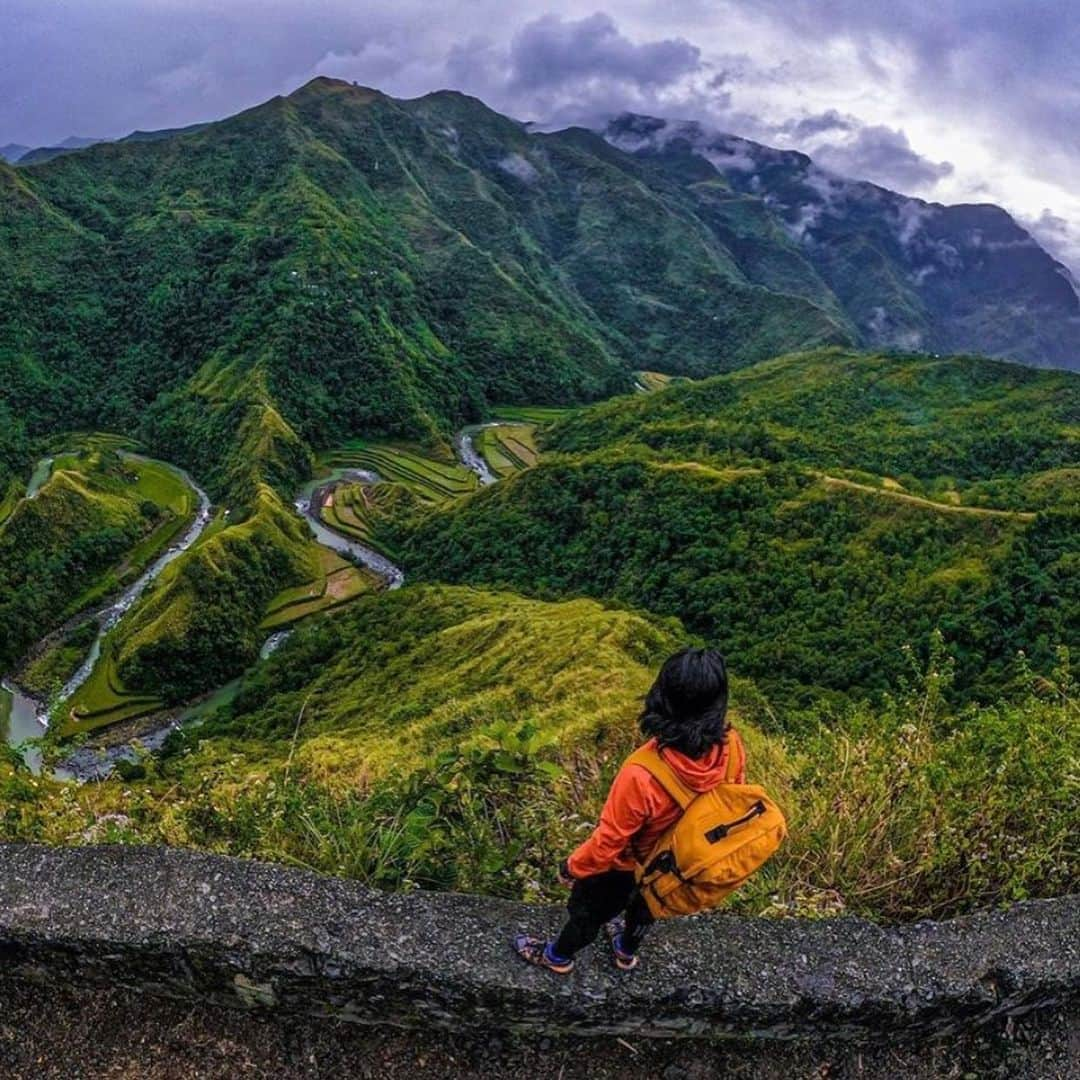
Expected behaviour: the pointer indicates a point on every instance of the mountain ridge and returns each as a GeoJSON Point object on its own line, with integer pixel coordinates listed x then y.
{"type": "Point", "coordinates": [362, 264]}
{"type": "Point", "coordinates": [918, 251]}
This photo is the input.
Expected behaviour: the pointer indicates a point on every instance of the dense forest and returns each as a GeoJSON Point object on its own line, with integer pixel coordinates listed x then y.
{"type": "Point", "coordinates": [711, 501]}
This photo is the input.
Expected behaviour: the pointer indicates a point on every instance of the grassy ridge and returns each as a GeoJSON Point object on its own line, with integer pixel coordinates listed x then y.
{"type": "Point", "coordinates": [92, 526]}
{"type": "Point", "coordinates": [164, 487]}
{"type": "Point", "coordinates": [199, 625]}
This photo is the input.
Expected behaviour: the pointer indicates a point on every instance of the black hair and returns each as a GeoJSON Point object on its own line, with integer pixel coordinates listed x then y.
{"type": "Point", "coordinates": [686, 708]}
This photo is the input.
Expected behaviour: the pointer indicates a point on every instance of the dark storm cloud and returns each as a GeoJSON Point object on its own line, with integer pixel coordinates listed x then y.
{"type": "Point", "coordinates": [560, 71]}
{"type": "Point", "coordinates": [819, 124]}
{"type": "Point", "coordinates": [883, 155]}
{"type": "Point", "coordinates": [552, 51]}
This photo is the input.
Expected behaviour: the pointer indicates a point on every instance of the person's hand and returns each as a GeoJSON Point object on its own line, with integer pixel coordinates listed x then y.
{"type": "Point", "coordinates": [566, 879]}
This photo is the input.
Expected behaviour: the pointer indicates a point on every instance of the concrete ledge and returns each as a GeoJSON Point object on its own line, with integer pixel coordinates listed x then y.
{"type": "Point", "coordinates": [250, 935]}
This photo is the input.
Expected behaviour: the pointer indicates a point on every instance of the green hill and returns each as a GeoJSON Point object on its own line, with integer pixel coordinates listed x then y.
{"type": "Point", "coordinates": [941, 427]}
{"type": "Point", "coordinates": [93, 525]}
{"type": "Point", "coordinates": [760, 509]}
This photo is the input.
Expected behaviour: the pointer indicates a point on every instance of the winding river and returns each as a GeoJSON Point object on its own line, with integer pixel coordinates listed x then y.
{"type": "Point", "coordinates": [25, 718]}
{"type": "Point", "coordinates": [307, 503]}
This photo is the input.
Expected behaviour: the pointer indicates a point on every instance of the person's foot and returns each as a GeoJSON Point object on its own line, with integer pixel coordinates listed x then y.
{"type": "Point", "coordinates": [624, 960]}
{"type": "Point", "coordinates": [534, 951]}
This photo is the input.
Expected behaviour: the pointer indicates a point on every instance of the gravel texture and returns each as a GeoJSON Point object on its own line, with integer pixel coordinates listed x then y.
{"type": "Point", "coordinates": [69, 1033]}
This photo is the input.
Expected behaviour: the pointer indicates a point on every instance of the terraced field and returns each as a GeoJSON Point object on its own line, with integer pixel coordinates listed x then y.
{"type": "Point", "coordinates": [430, 480]}
{"type": "Point", "coordinates": [351, 509]}
{"type": "Point", "coordinates": [532, 414]}
{"type": "Point", "coordinates": [103, 699]}
{"type": "Point", "coordinates": [508, 448]}
{"type": "Point", "coordinates": [648, 382]}
{"type": "Point", "coordinates": [336, 582]}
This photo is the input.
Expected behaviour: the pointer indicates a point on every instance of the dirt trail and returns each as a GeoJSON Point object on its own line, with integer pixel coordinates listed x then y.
{"type": "Point", "coordinates": [918, 500]}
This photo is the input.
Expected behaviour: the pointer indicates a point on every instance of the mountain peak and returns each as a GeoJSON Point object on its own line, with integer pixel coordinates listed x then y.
{"type": "Point", "coordinates": [13, 151]}
{"type": "Point", "coordinates": [324, 85]}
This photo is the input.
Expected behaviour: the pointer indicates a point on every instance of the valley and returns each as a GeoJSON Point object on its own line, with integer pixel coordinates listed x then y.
{"type": "Point", "coordinates": [87, 694]}
{"type": "Point", "coordinates": [421, 436]}
{"type": "Point", "coordinates": [439, 686]}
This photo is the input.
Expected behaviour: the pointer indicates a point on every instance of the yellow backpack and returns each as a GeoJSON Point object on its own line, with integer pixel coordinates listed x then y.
{"type": "Point", "coordinates": [722, 837]}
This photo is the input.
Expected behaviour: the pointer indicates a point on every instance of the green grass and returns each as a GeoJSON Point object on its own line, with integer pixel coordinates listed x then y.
{"type": "Point", "coordinates": [442, 668]}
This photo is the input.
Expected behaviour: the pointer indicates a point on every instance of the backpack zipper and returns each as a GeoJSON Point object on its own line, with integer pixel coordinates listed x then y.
{"type": "Point", "coordinates": [718, 832]}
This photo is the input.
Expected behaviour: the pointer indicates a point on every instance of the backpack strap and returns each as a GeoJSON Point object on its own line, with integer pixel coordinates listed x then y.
{"type": "Point", "coordinates": [736, 763]}
{"type": "Point", "coordinates": [650, 760]}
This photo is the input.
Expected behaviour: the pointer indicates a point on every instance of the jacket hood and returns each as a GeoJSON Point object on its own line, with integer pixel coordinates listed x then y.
{"type": "Point", "coordinates": [698, 774]}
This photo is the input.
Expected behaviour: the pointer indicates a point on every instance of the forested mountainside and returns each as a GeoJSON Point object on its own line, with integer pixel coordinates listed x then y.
{"type": "Point", "coordinates": [811, 515]}
{"type": "Point", "coordinates": [337, 261]}
{"type": "Point", "coordinates": [310, 306]}
{"type": "Point", "coordinates": [907, 273]}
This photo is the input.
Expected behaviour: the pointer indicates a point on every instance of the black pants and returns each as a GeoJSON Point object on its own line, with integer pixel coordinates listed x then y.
{"type": "Point", "coordinates": [598, 899]}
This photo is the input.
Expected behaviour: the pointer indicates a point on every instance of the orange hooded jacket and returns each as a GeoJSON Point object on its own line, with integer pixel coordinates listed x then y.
{"type": "Point", "coordinates": [638, 810]}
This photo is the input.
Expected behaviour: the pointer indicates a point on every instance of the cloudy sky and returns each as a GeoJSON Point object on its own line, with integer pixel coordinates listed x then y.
{"type": "Point", "coordinates": [951, 100]}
